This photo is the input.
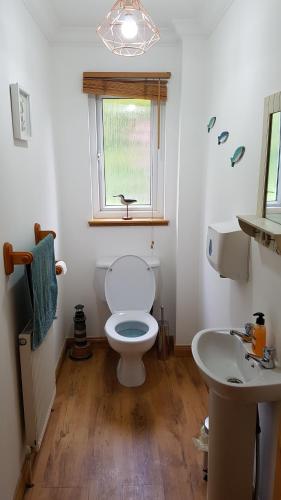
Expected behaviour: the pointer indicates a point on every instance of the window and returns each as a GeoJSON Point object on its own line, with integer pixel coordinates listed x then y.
{"type": "Point", "coordinates": [125, 157]}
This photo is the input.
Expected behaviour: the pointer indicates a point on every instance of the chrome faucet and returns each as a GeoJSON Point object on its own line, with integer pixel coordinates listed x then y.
{"type": "Point", "coordinates": [267, 361]}
{"type": "Point", "coordinates": [245, 336]}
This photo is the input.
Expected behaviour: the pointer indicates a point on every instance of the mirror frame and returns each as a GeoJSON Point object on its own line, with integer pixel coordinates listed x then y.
{"type": "Point", "coordinates": [272, 104]}
{"type": "Point", "coordinates": [264, 231]}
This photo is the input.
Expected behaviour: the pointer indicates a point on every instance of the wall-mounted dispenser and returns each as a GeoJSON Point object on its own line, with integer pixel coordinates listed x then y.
{"type": "Point", "coordinates": [228, 250]}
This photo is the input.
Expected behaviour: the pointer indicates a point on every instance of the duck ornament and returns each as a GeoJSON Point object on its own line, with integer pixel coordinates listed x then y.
{"type": "Point", "coordinates": [126, 202]}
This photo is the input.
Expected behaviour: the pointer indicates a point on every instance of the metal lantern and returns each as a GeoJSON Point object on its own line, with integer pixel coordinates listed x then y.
{"type": "Point", "coordinates": [128, 30]}
{"type": "Point", "coordinates": [81, 348]}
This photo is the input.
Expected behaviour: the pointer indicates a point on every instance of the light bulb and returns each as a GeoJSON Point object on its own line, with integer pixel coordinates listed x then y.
{"type": "Point", "coordinates": [129, 27]}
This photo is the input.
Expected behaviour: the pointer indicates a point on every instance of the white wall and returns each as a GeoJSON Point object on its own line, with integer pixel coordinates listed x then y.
{"type": "Point", "coordinates": [27, 194]}
{"type": "Point", "coordinates": [83, 245]}
{"type": "Point", "coordinates": [227, 75]}
{"type": "Point", "coordinates": [243, 69]}
{"type": "Point", "coordinates": [192, 144]}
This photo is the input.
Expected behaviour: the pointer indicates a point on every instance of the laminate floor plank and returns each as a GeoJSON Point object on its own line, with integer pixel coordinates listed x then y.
{"type": "Point", "coordinates": [46, 493]}
{"type": "Point", "coordinates": [108, 442]}
{"type": "Point", "coordinates": [153, 492]}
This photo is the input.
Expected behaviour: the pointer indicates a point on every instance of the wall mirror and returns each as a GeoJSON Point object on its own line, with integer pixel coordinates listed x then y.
{"type": "Point", "coordinates": [265, 225]}
{"type": "Point", "coordinates": [270, 189]}
{"type": "Point", "coordinates": [273, 178]}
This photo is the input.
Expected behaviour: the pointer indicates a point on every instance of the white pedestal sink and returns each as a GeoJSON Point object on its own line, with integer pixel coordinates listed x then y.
{"type": "Point", "coordinates": [236, 386]}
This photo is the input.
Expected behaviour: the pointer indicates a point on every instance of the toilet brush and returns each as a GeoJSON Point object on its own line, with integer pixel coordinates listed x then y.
{"type": "Point", "coordinates": [163, 337]}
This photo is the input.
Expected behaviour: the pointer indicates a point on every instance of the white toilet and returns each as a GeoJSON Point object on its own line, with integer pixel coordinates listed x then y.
{"type": "Point", "coordinates": [130, 292]}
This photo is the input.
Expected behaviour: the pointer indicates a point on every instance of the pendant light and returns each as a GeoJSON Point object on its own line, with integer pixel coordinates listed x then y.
{"type": "Point", "coordinates": [128, 30]}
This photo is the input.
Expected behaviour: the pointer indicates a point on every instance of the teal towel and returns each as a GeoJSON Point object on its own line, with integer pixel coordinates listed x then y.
{"type": "Point", "coordinates": [43, 288]}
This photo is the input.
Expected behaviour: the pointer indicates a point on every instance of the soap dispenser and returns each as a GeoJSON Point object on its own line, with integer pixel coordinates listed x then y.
{"type": "Point", "coordinates": [259, 335]}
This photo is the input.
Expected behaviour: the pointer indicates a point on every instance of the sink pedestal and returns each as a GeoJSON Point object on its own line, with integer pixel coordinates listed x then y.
{"type": "Point", "coordinates": [231, 448]}
{"type": "Point", "coordinates": [269, 421]}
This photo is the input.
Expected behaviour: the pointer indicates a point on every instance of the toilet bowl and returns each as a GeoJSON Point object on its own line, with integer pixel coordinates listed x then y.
{"type": "Point", "coordinates": [131, 330]}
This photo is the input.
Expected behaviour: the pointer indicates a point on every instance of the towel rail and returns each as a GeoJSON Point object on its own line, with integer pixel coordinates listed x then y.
{"type": "Point", "coordinates": [12, 258]}
{"type": "Point", "coordinates": [39, 234]}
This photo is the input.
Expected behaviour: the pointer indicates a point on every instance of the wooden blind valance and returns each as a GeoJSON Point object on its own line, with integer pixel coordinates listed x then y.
{"type": "Point", "coordinates": [151, 86]}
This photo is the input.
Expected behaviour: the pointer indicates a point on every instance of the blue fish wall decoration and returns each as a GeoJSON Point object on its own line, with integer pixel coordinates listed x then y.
{"type": "Point", "coordinates": [222, 138]}
{"type": "Point", "coordinates": [211, 123]}
{"type": "Point", "coordinates": [238, 155]}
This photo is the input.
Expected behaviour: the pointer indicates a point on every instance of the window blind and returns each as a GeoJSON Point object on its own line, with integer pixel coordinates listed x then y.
{"type": "Point", "coordinates": [136, 85]}
{"type": "Point", "coordinates": [151, 86]}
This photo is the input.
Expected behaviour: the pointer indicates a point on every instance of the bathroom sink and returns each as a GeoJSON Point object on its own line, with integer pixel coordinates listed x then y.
{"type": "Point", "coordinates": [221, 360]}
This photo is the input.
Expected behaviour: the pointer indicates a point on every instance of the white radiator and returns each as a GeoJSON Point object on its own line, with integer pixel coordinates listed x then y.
{"type": "Point", "coordinates": [38, 385]}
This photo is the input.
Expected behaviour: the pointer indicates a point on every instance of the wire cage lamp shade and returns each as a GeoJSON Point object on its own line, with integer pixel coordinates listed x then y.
{"type": "Point", "coordinates": [128, 30]}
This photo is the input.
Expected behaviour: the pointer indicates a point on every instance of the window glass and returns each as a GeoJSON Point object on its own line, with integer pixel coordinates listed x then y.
{"type": "Point", "coordinates": [127, 149]}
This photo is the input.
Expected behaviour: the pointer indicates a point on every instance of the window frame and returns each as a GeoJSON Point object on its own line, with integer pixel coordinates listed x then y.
{"type": "Point", "coordinates": [99, 209]}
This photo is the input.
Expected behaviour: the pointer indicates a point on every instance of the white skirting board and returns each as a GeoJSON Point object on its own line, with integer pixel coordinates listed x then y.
{"type": "Point", "coordinates": [38, 385]}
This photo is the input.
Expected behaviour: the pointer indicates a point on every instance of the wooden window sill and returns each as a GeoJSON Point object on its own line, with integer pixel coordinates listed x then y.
{"type": "Point", "coordinates": [132, 222]}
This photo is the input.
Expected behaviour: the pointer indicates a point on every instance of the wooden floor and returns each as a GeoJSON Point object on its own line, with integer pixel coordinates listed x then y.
{"type": "Point", "coordinates": [108, 442]}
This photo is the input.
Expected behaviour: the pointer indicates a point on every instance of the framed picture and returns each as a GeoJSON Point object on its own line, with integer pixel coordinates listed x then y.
{"type": "Point", "coordinates": [20, 103]}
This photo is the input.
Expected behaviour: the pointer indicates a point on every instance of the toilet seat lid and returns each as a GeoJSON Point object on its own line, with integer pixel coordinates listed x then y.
{"type": "Point", "coordinates": [129, 285]}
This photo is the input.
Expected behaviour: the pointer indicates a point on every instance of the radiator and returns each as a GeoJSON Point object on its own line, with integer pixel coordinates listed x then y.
{"type": "Point", "coordinates": [38, 384]}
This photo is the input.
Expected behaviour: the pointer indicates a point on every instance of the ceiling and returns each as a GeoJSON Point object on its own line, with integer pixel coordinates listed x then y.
{"type": "Point", "coordinates": [91, 12]}
{"type": "Point", "coordinates": [71, 19]}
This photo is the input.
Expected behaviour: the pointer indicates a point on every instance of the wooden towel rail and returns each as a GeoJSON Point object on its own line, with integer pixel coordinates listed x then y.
{"type": "Point", "coordinates": [12, 258]}
{"type": "Point", "coordinates": [40, 235]}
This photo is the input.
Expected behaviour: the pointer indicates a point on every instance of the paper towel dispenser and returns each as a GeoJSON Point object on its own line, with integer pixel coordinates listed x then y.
{"type": "Point", "coordinates": [228, 250]}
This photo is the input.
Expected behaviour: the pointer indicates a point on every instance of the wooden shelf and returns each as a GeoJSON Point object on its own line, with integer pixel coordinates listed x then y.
{"type": "Point", "coordinates": [123, 223]}
{"type": "Point", "coordinates": [265, 231]}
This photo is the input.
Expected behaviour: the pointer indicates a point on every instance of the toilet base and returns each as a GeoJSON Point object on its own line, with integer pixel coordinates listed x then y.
{"type": "Point", "coordinates": [131, 370]}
